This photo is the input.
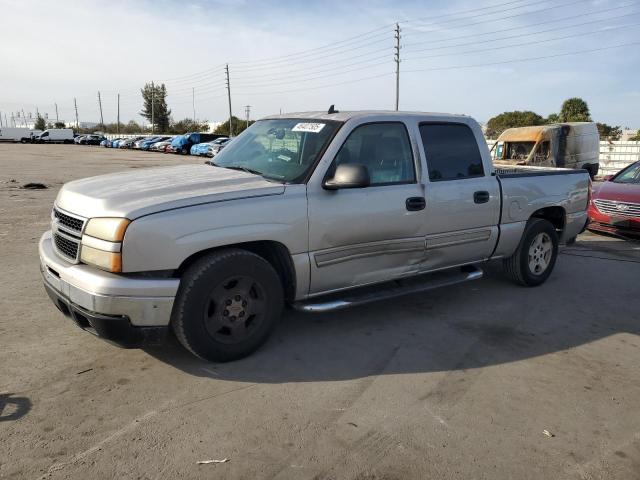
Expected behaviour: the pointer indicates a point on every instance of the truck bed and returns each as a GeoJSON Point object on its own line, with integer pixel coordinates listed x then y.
{"type": "Point", "coordinates": [514, 171]}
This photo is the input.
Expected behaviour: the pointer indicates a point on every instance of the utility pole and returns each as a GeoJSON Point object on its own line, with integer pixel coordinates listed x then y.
{"type": "Point", "coordinates": [153, 101]}
{"type": "Point", "coordinates": [75, 104]}
{"type": "Point", "coordinates": [226, 68]}
{"type": "Point", "coordinates": [100, 105]}
{"type": "Point", "coordinates": [118, 121]}
{"type": "Point", "coordinates": [193, 101]}
{"type": "Point", "coordinates": [396, 58]}
{"type": "Point", "coordinates": [247, 109]}
{"type": "Point", "coordinates": [57, 118]}
{"type": "Point", "coordinates": [24, 118]}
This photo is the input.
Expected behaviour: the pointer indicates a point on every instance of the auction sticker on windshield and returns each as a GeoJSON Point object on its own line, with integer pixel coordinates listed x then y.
{"type": "Point", "coordinates": [308, 127]}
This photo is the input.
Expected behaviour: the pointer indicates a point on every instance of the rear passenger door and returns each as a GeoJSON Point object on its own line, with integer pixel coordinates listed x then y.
{"type": "Point", "coordinates": [462, 198]}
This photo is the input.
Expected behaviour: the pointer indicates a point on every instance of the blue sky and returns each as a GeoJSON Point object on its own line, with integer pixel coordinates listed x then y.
{"type": "Point", "coordinates": [293, 56]}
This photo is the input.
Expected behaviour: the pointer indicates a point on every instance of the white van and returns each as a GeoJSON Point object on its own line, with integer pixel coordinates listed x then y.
{"type": "Point", "coordinates": [15, 134]}
{"type": "Point", "coordinates": [56, 135]}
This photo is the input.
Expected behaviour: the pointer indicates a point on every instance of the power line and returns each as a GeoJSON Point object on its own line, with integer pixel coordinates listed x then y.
{"type": "Point", "coordinates": [520, 28]}
{"type": "Point", "coordinates": [536, 2]}
{"type": "Point", "coordinates": [298, 79]}
{"type": "Point", "coordinates": [490, 49]}
{"type": "Point", "coordinates": [493, 20]}
{"type": "Point", "coordinates": [322, 67]}
{"type": "Point", "coordinates": [520, 60]}
{"type": "Point", "coordinates": [520, 35]}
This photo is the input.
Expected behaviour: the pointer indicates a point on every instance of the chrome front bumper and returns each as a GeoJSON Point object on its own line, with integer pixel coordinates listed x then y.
{"type": "Point", "coordinates": [145, 302]}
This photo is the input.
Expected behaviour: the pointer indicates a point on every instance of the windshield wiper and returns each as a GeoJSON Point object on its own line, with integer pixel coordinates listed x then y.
{"type": "Point", "coordinates": [250, 170]}
{"type": "Point", "coordinates": [243, 169]}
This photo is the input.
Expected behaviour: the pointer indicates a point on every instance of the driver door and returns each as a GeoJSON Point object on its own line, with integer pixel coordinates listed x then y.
{"type": "Point", "coordinates": [366, 235]}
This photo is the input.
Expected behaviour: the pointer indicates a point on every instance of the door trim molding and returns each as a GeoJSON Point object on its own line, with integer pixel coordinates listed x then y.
{"type": "Point", "coordinates": [441, 240]}
{"type": "Point", "coordinates": [332, 256]}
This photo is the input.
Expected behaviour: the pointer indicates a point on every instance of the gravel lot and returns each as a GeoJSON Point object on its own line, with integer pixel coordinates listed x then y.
{"type": "Point", "coordinates": [455, 383]}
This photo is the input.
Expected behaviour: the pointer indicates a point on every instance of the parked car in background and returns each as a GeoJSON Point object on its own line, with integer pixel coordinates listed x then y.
{"type": "Point", "coordinates": [371, 199]}
{"type": "Point", "coordinates": [128, 142]}
{"type": "Point", "coordinates": [217, 146]}
{"type": "Point", "coordinates": [204, 149]}
{"type": "Point", "coordinates": [183, 143]}
{"type": "Point", "coordinates": [563, 145]}
{"type": "Point", "coordinates": [78, 138]}
{"type": "Point", "coordinates": [161, 146]}
{"type": "Point", "coordinates": [56, 135]}
{"type": "Point", "coordinates": [94, 139]}
{"type": "Point", "coordinates": [615, 204]}
{"type": "Point", "coordinates": [147, 144]}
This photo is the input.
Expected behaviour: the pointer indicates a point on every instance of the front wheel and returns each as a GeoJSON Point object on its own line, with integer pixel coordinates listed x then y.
{"type": "Point", "coordinates": [227, 305]}
{"type": "Point", "coordinates": [533, 261]}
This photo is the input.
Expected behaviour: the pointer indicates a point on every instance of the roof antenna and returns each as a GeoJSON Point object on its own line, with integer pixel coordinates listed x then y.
{"type": "Point", "coordinates": [332, 109]}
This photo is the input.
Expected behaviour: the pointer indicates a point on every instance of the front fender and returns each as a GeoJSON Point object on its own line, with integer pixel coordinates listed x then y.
{"type": "Point", "coordinates": [163, 241]}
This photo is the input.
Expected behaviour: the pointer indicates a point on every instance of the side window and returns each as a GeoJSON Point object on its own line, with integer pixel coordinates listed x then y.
{"type": "Point", "coordinates": [451, 150]}
{"type": "Point", "coordinates": [384, 148]}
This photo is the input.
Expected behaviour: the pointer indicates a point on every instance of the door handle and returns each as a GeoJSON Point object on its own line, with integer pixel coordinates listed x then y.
{"type": "Point", "coordinates": [414, 204]}
{"type": "Point", "coordinates": [481, 197]}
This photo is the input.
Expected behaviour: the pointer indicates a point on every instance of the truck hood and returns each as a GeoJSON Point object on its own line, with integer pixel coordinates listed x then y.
{"type": "Point", "coordinates": [146, 191]}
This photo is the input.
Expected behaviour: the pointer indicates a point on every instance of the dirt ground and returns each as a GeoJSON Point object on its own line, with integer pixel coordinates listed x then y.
{"type": "Point", "coordinates": [457, 383]}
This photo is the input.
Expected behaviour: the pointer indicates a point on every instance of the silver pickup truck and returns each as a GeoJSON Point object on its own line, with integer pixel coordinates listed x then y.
{"type": "Point", "coordinates": [316, 210]}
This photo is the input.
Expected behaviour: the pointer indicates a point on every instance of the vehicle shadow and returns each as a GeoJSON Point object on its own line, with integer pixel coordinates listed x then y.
{"type": "Point", "coordinates": [474, 325]}
{"type": "Point", "coordinates": [13, 408]}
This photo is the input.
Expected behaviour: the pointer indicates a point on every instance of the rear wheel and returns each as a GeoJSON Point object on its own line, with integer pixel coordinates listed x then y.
{"type": "Point", "coordinates": [533, 261]}
{"type": "Point", "coordinates": [227, 305]}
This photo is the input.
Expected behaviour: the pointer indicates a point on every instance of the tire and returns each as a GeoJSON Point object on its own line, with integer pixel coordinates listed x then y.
{"type": "Point", "coordinates": [534, 270]}
{"type": "Point", "coordinates": [184, 151]}
{"type": "Point", "coordinates": [227, 305]}
{"type": "Point", "coordinates": [23, 140]}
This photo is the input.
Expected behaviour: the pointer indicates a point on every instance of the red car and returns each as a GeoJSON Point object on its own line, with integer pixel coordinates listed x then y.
{"type": "Point", "coordinates": [615, 204]}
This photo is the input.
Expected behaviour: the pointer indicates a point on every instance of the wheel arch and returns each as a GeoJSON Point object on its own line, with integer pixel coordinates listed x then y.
{"type": "Point", "coordinates": [274, 252]}
{"type": "Point", "coordinates": [556, 215]}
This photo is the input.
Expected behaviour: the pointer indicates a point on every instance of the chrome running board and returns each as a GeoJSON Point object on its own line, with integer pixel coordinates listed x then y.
{"type": "Point", "coordinates": [388, 290]}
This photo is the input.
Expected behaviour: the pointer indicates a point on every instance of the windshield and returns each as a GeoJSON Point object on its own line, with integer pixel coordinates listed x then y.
{"type": "Point", "coordinates": [631, 174]}
{"type": "Point", "coordinates": [280, 149]}
{"type": "Point", "coordinates": [517, 150]}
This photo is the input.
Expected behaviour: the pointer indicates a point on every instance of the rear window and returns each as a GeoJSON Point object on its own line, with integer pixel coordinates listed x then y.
{"type": "Point", "coordinates": [451, 150]}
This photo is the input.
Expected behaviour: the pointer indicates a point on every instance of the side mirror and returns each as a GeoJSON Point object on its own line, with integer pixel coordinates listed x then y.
{"type": "Point", "coordinates": [348, 176]}
{"type": "Point", "coordinates": [608, 177]}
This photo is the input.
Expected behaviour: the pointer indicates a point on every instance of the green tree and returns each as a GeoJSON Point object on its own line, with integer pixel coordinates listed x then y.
{"type": "Point", "coordinates": [636, 137]}
{"type": "Point", "coordinates": [188, 125]}
{"type": "Point", "coordinates": [131, 127]}
{"type": "Point", "coordinates": [552, 118]}
{"type": "Point", "coordinates": [607, 132]}
{"type": "Point", "coordinates": [155, 108]}
{"type": "Point", "coordinates": [59, 125]}
{"type": "Point", "coordinates": [575, 110]}
{"type": "Point", "coordinates": [499, 123]}
{"type": "Point", "coordinates": [238, 124]}
{"type": "Point", "coordinates": [40, 123]}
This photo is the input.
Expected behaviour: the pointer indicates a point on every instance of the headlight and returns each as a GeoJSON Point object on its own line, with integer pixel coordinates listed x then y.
{"type": "Point", "coordinates": [110, 229]}
{"type": "Point", "coordinates": [102, 243]}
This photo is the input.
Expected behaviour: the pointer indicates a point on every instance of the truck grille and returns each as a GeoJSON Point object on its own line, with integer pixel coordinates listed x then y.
{"type": "Point", "coordinates": [618, 209]}
{"type": "Point", "coordinates": [71, 223]}
{"type": "Point", "coordinates": [66, 246]}
{"type": "Point", "coordinates": [67, 234]}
